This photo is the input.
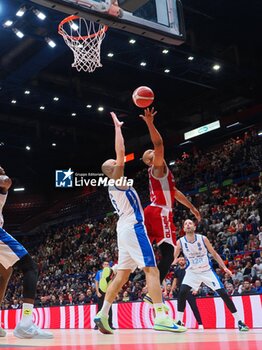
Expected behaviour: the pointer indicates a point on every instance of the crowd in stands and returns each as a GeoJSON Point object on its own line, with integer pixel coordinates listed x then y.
{"type": "Point", "coordinates": [68, 257]}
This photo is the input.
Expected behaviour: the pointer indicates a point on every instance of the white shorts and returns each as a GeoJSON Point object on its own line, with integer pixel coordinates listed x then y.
{"type": "Point", "coordinates": [134, 247]}
{"type": "Point", "coordinates": [209, 277]}
{"type": "Point", "coordinates": [10, 250]}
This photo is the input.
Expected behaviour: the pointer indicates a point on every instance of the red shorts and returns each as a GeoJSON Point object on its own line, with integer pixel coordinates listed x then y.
{"type": "Point", "coordinates": [159, 225]}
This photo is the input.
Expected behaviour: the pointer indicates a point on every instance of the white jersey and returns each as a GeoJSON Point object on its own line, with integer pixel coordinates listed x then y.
{"type": "Point", "coordinates": [196, 254]}
{"type": "Point", "coordinates": [2, 203]}
{"type": "Point", "coordinates": [127, 204]}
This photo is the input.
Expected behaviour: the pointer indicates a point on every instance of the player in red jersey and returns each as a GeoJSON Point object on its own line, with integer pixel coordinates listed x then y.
{"type": "Point", "coordinates": [163, 193]}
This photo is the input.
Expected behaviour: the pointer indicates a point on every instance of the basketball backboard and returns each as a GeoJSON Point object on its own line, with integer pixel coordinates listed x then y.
{"type": "Point", "coordinates": [160, 20]}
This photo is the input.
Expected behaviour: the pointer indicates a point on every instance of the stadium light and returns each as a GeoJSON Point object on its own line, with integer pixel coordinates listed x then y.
{"type": "Point", "coordinates": [39, 14]}
{"type": "Point", "coordinates": [19, 189]}
{"type": "Point", "coordinates": [232, 125]}
{"type": "Point", "coordinates": [8, 23]}
{"type": "Point", "coordinates": [216, 67]}
{"type": "Point", "coordinates": [73, 25]}
{"type": "Point", "coordinates": [50, 42]}
{"type": "Point", "coordinates": [21, 11]}
{"type": "Point", "coordinates": [18, 33]}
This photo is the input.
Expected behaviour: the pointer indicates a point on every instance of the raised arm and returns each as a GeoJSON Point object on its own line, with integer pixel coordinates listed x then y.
{"type": "Point", "coordinates": [181, 198]}
{"type": "Point", "coordinates": [119, 148]}
{"type": "Point", "coordinates": [216, 256]}
{"type": "Point", "coordinates": [155, 136]}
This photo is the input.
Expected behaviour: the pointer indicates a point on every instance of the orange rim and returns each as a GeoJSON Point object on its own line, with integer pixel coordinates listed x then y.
{"type": "Point", "coordinates": [71, 18]}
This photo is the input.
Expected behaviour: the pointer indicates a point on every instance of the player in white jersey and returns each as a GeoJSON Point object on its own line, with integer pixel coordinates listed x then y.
{"type": "Point", "coordinates": [12, 253]}
{"type": "Point", "coordinates": [134, 247]}
{"type": "Point", "coordinates": [195, 248]}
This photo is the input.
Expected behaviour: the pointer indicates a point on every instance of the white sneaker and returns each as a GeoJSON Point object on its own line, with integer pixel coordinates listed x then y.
{"type": "Point", "coordinates": [31, 331]}
{"type": "Point", "coordinates": [2, 332]}
{"type": "Point", "coordinates": [200, 326]}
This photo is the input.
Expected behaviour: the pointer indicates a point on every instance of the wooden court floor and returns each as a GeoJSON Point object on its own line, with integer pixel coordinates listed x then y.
{"type": "Point", "coordinates": [81, 339]}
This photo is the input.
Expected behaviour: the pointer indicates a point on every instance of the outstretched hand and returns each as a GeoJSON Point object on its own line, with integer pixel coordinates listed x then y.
{"type": "Point", "coordinates": [196, 213]}
{"type": "Point", "coordinates": [117, 123]}
{"type": "Point", "coordinates": [149, 114]}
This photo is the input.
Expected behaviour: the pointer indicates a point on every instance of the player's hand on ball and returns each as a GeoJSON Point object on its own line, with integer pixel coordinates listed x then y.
{"type": "Point", "coordinates": [149, 114]}
{"type": "Point", "coordinates": [117, 123]}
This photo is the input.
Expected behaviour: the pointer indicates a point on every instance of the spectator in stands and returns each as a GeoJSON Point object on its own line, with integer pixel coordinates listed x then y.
{"type": "Point", "coordinates": [253, 243]}
{"type": "Point", "coordinates": [230, 289]}
{"type": "Point", "coordinates": [257, 269]}
{"type": "Point", "coordinates": [247, 288]}
{"type": "Point", "coordinates": [259, 235]}
{"type": "Point", "coordinates": [258, 287]}
{"type": "Point", "coordinates": [247, 269]}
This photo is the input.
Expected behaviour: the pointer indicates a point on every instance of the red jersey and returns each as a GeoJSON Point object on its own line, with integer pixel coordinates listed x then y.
{"type": "Point", "coordinates": [162, 190]}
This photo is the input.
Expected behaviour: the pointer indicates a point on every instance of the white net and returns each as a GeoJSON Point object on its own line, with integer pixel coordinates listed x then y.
{"type": "Point", "coordinates": [84, 38]}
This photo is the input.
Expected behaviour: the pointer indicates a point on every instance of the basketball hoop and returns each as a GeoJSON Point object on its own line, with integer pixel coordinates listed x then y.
{"type": "Point", "coordinates": [84, 38]}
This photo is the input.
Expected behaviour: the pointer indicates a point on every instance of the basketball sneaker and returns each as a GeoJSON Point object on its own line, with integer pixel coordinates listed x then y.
{"type": "Point", "coordinates": [32, 331]}
{"type": "Point", "coordinates": [167, 324]}
{"type": "Point", "coordinates": [242, 327]}
{"type": "Point", "coordinates": [148, 299]}
{"type": "Point", "coordinates": [2, 332]}
{"type": "Point", "coordinates": [201, 327]}
{"type": "Point", "coordinates": [105, 279]}
{"type": "Point", "coordinates": [180, 323]}
{"type": "Point", "coordinates": [102, 323]}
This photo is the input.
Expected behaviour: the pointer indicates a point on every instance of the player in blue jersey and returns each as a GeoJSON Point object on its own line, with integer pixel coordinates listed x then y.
{"type": "Point", "coordinates": [12, 253]}
{"type": "Point", "coordinates": [195, 248]}
{"type": "Point", "coordinates": [134, 246]}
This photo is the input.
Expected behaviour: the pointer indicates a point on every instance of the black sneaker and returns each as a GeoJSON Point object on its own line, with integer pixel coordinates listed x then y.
{"type": "Point", "coordinates": [180, 323]}
{"type": "Point", "coordinates": [242, 327]}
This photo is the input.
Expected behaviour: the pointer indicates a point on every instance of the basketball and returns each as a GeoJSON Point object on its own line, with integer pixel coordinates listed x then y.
{"type": "Point", "coordinates": [143, 97]}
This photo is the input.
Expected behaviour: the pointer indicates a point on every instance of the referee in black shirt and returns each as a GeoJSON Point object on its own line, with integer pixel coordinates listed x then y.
{"type": "Point", "coordinates": [179, 274]}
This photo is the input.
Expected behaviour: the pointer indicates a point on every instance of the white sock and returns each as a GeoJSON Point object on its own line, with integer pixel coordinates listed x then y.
{"type": "Point", "coordinates": [236, 316]}
{"type": "Point", "coordinates": [27, 314]}
{"type": "Point", "coordinates": [180, 316]}
{"type": "Point", "coordinates": [105, 308]}
{"type": "Point", "coordinates": [159, 309]}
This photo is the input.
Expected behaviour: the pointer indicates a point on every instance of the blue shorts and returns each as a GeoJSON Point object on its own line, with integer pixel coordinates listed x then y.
{"type": "Point", "coordinates": [10, 250]}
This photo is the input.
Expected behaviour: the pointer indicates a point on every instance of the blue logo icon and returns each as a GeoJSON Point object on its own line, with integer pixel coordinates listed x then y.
{"type": "Point", "coordinates": [64, 178]}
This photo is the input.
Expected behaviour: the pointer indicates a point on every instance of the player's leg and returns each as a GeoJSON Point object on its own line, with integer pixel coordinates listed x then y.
{"type": "Point", "coordinates": [167, 257]}
{"type": "Point", "coordinates": [162, 322]}
{"type": "Point", "coordinates": [232, 308]}
{"type": "Point", "coordinates": [192, 302]}
{"type": "Point", "coordinates": [113, 289]}
{"type": "Point", "coordinates": [26, 328]}
{"type": "Point", "coordinates": [5, 275]}
{"type": "Point", "coordinates": [160, 229]}
{"type": "Point", "coordinates": [191, 280]}
{"type": "Point", "coordinates": [141, 251]}
{"type": "Point", "coordinates": [211, 279]}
